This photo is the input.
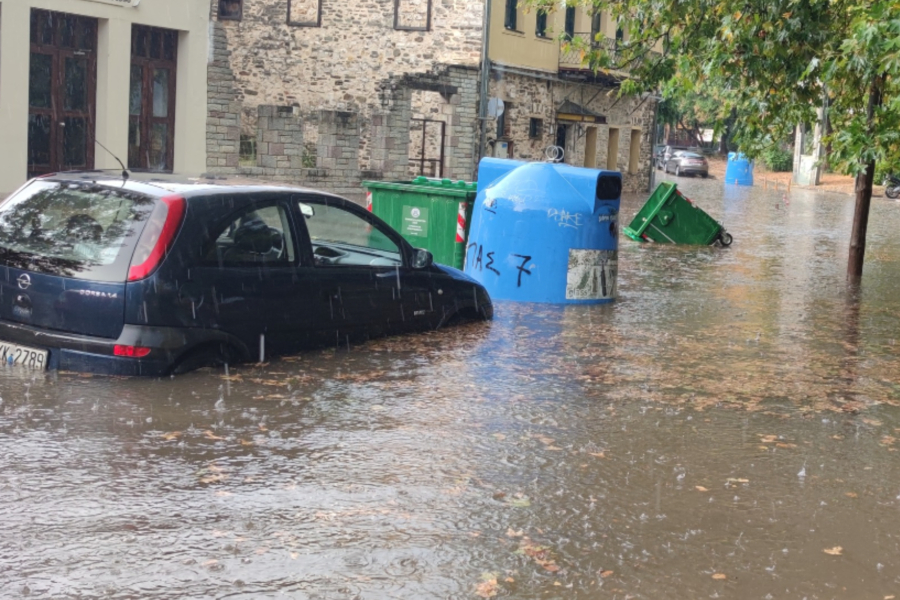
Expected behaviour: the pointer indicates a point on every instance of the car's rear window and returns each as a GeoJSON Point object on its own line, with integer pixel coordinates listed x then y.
{"type": "Point", "coordinates": [79, 230]}
{"type": "Point", "coordinates": [690, 155]}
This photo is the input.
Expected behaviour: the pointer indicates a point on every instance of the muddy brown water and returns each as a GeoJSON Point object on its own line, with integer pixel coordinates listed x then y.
{"type": "Point", "coordinates": [727, 429]}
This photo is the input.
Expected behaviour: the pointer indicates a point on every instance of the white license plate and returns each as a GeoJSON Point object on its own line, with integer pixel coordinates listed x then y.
{"type": "Point", "coordinates": [14, 355]}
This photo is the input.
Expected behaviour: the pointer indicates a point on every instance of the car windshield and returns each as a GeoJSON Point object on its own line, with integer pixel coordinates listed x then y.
{"type": "Point", "coordinates": [690, 155]}
{"type": "Point", "coordinates": [79, 230]}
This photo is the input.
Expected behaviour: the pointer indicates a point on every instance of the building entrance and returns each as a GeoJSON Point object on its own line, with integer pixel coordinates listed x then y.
{"type": "Point", "coordinates": [61, 92]}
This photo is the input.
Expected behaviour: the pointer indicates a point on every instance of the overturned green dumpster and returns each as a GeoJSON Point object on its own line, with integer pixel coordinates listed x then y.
{"type": "Point", "coordinates": [668, 217]}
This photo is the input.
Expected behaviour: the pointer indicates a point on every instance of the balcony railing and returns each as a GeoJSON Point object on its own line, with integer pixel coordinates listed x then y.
{"type": "Point", "coordinates": [573, 56]}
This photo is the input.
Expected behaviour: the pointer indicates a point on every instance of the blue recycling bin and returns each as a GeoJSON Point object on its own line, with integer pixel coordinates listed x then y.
{"type": "Point", "coordinates": [739, 169]}
{"type": "Point", "coordinates": [545, 232]}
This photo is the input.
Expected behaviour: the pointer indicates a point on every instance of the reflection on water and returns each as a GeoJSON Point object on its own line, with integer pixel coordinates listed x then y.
{"type": "Point", "coordinates": [713, 433]}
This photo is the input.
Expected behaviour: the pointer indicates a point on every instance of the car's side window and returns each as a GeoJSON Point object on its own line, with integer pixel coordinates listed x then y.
{"type": "Point", "coordinates": [256, 236]}
{"type": "Point", "coordinates": [341, 238]}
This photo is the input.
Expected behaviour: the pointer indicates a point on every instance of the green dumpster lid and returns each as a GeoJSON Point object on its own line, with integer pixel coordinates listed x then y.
{"type": "Point", "coordinates": [427, 185]}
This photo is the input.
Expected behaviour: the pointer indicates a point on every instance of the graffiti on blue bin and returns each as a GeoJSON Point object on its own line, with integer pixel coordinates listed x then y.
{"type": "Point", "coordinates": [482, 260]}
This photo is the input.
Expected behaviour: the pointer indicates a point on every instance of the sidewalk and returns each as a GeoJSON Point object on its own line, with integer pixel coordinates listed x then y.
{"type": "Point", "coordinates": [831, 182]}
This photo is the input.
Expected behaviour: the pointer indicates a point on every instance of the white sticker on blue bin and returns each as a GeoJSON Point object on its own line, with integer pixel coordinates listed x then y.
{"type": "Point", "coordinates": [591, 274]}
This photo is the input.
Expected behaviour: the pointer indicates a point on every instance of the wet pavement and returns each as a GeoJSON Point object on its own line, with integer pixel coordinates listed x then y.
{"type": "Point", "coordinates": [727, 429]}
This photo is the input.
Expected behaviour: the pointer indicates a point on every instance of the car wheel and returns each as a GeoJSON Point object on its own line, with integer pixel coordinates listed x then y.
{"type": "Point", "coordinates": [704, 175]}
{"type": "Point", "coordinates": [208, 355]}
{"type": "Point", "coordinates": [677, 171]}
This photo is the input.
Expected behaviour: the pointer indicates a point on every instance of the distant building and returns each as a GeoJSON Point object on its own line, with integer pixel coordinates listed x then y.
{"type": "Point", "coordinates": [551, 98]}
{"type": "Point", "coordinates": [329, 94]}
{"type": "Point", "coordinates": [130, 75]}
{"type": "Point", "coordinates": [308, 91]}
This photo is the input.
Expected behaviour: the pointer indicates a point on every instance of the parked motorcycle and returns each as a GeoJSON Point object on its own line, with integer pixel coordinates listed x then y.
{"type": "Point", "coordinates": [892, 186]}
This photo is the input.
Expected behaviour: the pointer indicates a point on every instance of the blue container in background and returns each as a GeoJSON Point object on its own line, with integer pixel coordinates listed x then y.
{"type": "Point", "coordinates": [545, 232]}
{"type": "Point", "coordinates": [739, 169]}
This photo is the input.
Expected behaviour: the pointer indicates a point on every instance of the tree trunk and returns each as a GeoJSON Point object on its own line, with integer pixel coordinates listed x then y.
{"type": "Point", "coordinates": [726, 132]}
{"type": "Point", "coordinates": [864, 183]}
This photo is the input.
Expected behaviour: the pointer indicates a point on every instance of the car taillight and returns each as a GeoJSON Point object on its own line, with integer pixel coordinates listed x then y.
{"type": "Point", "coordinates": [130, 351]}
{"type": "Point", "coordinates": [157, 237]}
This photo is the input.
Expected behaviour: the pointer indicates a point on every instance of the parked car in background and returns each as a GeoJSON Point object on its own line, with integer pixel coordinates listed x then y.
{"type": "Point", "coordinates": [108, 275]}
{"type": "Point", "coordinates": [683, 162]}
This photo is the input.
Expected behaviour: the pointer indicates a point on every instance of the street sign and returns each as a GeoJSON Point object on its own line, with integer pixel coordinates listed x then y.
{"type": "Point", "coordinates": [495, 107]}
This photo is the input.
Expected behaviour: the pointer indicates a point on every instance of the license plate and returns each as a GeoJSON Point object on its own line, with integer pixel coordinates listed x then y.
{"type": "Point", "coordinates": [14, 355]}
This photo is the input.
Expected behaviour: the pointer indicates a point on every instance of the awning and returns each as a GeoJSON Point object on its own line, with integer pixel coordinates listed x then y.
{"type": "Point", "coordinates": [569, 111]}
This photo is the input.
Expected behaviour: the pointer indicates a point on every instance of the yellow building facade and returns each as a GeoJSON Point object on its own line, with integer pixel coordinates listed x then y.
{"type": "Point", "coordinates": [77, 75]}
{"type": "Point", "coordinates": [551, 99]}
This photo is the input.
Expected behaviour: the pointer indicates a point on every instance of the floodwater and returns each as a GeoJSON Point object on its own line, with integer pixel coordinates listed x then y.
{"type": "Point", "coordinates": [727, 429]}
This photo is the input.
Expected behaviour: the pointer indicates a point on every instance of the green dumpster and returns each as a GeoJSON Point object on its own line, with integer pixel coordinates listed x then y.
{"type": "Point", "coordinates": [430, 213]}
{"type": "Point", "coordinates": [668, 217]}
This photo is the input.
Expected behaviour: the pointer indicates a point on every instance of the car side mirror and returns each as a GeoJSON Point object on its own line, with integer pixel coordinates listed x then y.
{"type": "Point", "coordinates": [422, 259]}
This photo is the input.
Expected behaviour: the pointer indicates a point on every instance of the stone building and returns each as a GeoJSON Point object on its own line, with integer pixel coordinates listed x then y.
{"type": "Point", "coordinates": [331, 93]}
{"type": "Point", "coordinates": [551, 99]}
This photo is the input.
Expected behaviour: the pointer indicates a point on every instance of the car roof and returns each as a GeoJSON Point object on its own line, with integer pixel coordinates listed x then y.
{"type": "Point", "coordinates": [162, 184]}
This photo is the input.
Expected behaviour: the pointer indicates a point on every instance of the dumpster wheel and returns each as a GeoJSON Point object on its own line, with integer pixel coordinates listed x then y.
{"type": "Point", "coordinates": [725, 239]}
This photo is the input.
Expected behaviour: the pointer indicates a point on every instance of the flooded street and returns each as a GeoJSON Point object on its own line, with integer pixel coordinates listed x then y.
{"type": "Point", "coordinates": [727, 429]}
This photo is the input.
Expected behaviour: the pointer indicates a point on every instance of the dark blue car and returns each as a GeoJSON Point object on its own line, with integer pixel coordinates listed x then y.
{"type": "Point", "coordinates": [103, 274]}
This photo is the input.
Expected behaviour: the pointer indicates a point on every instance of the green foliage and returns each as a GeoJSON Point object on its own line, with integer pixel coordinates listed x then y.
{"type": "Point", "coordinates": [769, 63]}
{"type": "Point", "coordinates": [882, 170]}
{"type": "Point", "coordinates": [778, 159]}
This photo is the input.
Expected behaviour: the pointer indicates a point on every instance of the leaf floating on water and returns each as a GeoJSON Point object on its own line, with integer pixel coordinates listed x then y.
{"type": "Point", "coordinates": [539, 554]}
{"type": "Point", "coordinates": [719, 576]}
{"type": "Point", "coordinates": [246, 442]}
{"type": "Point", "coordinates": [605, 574]}
{"type": "Point", "coordinates": [488, 587]}
{"type": "Point", "coordinates": [700, 488]}
{"type": "Point", "coordinates": [737, 480]}
{"type": "Point", "coordinates": [519, 501]}
{"type": "Point", "coordinates": [836, 551]}
{"type": "Point", "coordinates": [213, 478]}
{"type": "Point", "coordinates": [211, 436]}
{"type": "Point", "coordinates": [598, 454]}
{"type": "Point", "coordinates": [172, 435]}
{"type": "Point", "coordinates": [851, 494]}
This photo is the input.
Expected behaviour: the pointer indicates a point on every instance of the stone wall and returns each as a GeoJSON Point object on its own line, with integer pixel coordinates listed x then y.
{"type": "Point", "coordinates": [351, 80]}
{"type": "Point", "coordinates": [541, 95]}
